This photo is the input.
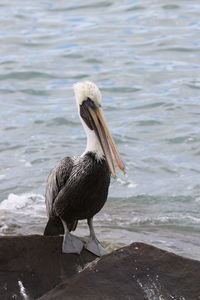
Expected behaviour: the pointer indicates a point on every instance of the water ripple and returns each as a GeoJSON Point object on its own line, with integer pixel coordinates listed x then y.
{"type": "Point", "coordinates": [145, 59]}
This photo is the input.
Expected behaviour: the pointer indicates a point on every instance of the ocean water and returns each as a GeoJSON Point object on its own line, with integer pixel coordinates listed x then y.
{"type": "Point", "coordinates": [145, 57]}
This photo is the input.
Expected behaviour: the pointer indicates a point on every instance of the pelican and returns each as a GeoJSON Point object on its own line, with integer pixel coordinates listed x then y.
{"type": "Point", "coordinates": [77, 188]}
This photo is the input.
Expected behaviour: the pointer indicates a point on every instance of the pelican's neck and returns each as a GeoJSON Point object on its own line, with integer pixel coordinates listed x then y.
{"type": "Point", "coordinates": [93, 144]}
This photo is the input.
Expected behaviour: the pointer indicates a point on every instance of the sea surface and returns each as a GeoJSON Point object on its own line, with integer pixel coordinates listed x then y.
{"type": "Point", "coordinates": [145, 57]}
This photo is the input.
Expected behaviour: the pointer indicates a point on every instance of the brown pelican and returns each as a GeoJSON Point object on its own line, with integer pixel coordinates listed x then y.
{"type": "Point", "coordinates": [77, 187]}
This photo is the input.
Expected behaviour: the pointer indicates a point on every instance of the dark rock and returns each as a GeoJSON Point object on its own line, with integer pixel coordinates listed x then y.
{"type": "Point", "coordinates": [135, 272]}
{"type": "Point", "coordinates": [32, 265]}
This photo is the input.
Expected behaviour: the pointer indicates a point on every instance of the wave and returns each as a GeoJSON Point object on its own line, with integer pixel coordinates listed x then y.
{"type": "Point", "coordinates": [18, 212]}
{"type": "Point", "coordinates": [22, 214]}
{"type": "Point", "coordinates": [26, 75]}
{"type": "Point", "coordinates": [24, 201]}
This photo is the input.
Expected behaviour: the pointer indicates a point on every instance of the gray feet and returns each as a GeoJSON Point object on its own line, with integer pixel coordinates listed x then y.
{"type": "Point", "coordinates": [71, 244]}
{"type": "Point", "coordinates": [94, 246]}
{"type": "Point", "coordinates": [74, 244]}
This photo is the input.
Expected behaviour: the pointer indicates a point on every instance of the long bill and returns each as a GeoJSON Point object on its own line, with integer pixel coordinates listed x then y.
{"type": "Point", "coordinates": [106, 141]}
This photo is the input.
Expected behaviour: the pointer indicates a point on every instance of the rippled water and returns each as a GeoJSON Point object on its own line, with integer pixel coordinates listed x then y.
{"type": "Point", "coordinates": [144, 55]}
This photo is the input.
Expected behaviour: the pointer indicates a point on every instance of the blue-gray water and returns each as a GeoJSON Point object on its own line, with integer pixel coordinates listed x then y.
{"type": "Point", "coordinates": [145, 57]}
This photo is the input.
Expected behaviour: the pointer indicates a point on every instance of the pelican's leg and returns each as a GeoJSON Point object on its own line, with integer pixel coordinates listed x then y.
{"type": "Point", "coordinates": [71, 243]}
{"type": "Point", "coordinates": [92, 244]}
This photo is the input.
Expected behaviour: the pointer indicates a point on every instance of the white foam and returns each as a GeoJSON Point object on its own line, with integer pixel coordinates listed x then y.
{"type": "Point", "coordinates": [26, 163]}
{"type": "Point", "coordinates": [2, 176]}
{"type": "Point", "coordinates": [130, 184]}
{"type": "Point", "coordinates": [22, 214]}
{"type": "Point", "coordinates": [16, 202]}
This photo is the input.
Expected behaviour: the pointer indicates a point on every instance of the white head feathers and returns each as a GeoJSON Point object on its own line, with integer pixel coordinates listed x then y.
{"type": "Point", "coordinates": [85, 90]}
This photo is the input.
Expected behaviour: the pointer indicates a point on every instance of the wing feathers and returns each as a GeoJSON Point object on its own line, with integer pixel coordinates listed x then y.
{"type": "Point", "coordinates": [56, 181]}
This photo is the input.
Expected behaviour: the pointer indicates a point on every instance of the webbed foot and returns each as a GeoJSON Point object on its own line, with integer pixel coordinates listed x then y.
{"type": "Point", "coordinates": [94, 246]}
{"type": "Point", "coordinates": [71, 244]}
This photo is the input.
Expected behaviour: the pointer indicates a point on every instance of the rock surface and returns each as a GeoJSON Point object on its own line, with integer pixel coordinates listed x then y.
{"type": "Point", "coordinates": [32, 266]}
{"type": "Point", "coordinates": [135, 272]}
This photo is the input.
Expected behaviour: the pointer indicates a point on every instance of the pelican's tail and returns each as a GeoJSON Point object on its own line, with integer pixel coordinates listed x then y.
{"type": "Point", "coordinates": [54, 227]}
{"type": "Point", "coordinates": [72, 226]}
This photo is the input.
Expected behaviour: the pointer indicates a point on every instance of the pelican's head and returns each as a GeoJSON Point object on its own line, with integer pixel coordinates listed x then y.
{"type": "Point", "coordinates": [85, 90]}
{"type": "Point", "coordinates": [89, 99]}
